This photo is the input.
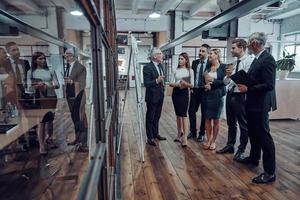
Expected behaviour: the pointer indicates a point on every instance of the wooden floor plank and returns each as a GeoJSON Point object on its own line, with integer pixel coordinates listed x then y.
{"type": "Point", "coordinates": [195, 173]}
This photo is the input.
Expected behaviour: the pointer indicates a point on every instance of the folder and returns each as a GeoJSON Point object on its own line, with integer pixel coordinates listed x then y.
{"type": "Point", "coordinates": [186, 79]}
{"type": "Point", "coordinates": [241, 77]}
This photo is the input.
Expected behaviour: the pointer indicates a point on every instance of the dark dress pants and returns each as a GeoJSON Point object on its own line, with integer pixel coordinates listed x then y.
{"type": "Point", "coordinates": [195, 101]}
{"type": "Point", "coordinates": [261, 139]}
{"type": "Point", "coordinates": [152, 118]}
{"type": "Point", "coordinates": [236, 112]}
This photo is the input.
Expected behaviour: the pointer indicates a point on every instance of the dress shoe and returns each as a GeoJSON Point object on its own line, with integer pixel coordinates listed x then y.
{"type": "Point", "coordinates": [191, 135]}
{"type": "Point", "coordinates": [151, 142]}
{"type": "Point", "coordinates": [200, 138]}
{"type": "Point", "coordinates": [72, 143]}
{"type": "Point", "coordinates": [226, 149]}
{"type": "Point", "coordinates": [239, 156]}
{"type": "Point", "coordinates": [177, 140]}
{"type": "Point", "coordinates": [184, 145]}
{"type": "Point", "coordinates": [248, 161]}
{"type": "Point", "coordinates": [160, 137]}
{"type": "Point", "coordinates": [264, 178]}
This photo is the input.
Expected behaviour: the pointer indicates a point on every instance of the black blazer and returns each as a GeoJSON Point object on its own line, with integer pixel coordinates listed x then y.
{"type": "Point", "coordinates": [261, 95]}
{"type": "Point", "coordinates": [195, 64]}
{"type": "Point", "coordinates": [154, 91]}
{"type": "Point", "coordinates": [218, 88]}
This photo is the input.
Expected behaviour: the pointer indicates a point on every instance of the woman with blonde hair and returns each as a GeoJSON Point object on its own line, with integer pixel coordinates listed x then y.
{"type": "Point", "coordinates": [213, 97]}
{"type": "Point", "coordinates": [183, 79]}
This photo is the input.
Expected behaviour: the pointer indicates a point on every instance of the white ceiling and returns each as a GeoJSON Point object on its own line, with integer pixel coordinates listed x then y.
{"type": "Point", "coordinates": [145, 7]}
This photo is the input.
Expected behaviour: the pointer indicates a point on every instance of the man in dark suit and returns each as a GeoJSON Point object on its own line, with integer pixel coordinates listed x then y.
{"type": "Point", "coordinates": [75, 80]}
{"type": "Point", "coordinates": [236, 101]}
{"type": "Point", "coordinates": [17, 69]}
{"type": "Point", "coordinates": [260, 100]}
{"type": "Point", "coordinates": [153, 81]}
{"type": "Point", "coordinates": [198, 66]}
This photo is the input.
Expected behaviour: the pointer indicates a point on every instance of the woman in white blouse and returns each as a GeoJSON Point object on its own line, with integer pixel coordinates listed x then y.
{"type": "Point", "coordinates": [44, 81]}
{"type": "Point", "coordinates": [183, 79]}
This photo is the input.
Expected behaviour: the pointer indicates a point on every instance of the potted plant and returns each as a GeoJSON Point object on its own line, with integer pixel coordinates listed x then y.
{"type": "Point", "coordinates": [285, 65]}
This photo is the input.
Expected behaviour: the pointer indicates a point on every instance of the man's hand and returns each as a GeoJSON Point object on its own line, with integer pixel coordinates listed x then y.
{"type": "Point", "coordinates": [229, 71]}
{"type": "Point", "coordinates": [242, 88]}
{"type": "Point", "coordinates": [68, 80]}
{"type": "Point", "coordinates": [160, 79]}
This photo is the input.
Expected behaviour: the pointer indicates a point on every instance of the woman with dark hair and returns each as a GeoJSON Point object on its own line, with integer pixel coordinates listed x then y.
{"type": "Point", "coordinates": [183, 79]}
{"type": "Point", "coordinates": [44, 81]}
{"type": "Point", "coordinates": [213, 97]}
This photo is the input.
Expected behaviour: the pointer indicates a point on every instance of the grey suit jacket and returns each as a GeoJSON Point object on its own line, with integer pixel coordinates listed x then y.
{"type": "Point", "coordinates": [78, 75]}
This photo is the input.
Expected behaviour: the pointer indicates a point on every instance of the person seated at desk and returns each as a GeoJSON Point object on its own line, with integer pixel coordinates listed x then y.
{"type": "Point", "coordinates": [44, 81]}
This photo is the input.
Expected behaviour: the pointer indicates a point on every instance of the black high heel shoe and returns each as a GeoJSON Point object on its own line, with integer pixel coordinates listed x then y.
{"type": "Point", "coordinates": [178, 138]}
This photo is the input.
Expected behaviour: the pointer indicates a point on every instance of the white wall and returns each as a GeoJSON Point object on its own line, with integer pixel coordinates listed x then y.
{"type": "Point", "coordinates": [246, 26]}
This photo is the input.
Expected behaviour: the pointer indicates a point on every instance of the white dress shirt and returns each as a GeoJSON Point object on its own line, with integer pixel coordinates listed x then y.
{"type": "Point", "coordinates": [245, 63]}
{"type": "Point", "coordinates": [159, 71]}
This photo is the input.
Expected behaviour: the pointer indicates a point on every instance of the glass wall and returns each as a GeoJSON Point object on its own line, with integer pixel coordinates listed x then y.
{"type": "Point", "coordinates": [50, 107]}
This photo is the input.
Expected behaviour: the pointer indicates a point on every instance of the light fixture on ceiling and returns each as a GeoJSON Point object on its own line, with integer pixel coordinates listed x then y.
{"type": "Point", "coordinates": [76, 13]}
{"type": "Point", "coordinates": [155, 14]}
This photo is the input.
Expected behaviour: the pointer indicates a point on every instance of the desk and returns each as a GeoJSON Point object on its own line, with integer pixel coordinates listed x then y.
{"type": "Point", "coordinates": [25, 120]}
{"type": "Point", "coordinates": [288, 99]}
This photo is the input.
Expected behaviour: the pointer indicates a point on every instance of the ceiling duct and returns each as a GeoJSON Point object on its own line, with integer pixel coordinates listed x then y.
{"type": "Point", "coordinates": [6, 30]}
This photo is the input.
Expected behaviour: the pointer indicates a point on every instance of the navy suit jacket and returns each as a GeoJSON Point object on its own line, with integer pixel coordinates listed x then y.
{"type": "Point", "coordinates": [261, 95]}
{"type": "Point", "coordinates": [154, 91]}
{"type": "Point", "coordinates": [218, 88]}
{"type": "Point", "coordinates": [195, 64]}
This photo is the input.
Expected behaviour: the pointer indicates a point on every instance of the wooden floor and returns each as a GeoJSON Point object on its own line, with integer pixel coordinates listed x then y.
{"type": "Point", "coordinates": [171, 173]}
{"type": "Point", "coordinates": [54, 177]}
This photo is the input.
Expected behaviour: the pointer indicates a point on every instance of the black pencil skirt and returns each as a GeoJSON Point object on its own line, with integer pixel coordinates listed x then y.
{"type": "Point", "coordinates": [181, 99]}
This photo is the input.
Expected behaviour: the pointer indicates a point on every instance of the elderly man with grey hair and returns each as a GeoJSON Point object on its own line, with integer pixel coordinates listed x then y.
{"type": "Point", "coordinates": [153, 81]}
{"type": "Point", "coordinates": [260, 100]}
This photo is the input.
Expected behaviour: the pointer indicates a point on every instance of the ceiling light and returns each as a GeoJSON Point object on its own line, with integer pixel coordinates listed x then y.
{"type": "Point", "coordinates": [154, 15]}
{"type": "Point", "coordinates": [76, 13]}
{"type": "Point", "coordinates": [138, 39]}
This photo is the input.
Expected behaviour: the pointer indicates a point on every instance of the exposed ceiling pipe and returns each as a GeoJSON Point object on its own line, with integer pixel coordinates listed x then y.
{"type": "Point", "coordinates": [241, 9]}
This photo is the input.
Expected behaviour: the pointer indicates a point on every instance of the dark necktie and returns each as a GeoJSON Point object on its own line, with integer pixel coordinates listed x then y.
{"type": "Point", "coordinates": [18, 73]}
{"type": "Point", "coordinates": [200, 77]}
{"type": "Point", "coordinates": [237, 66]}
{"type": "Point", "coordinates": [160, 69]}
{"type": "Point", "coordinates": [67, 72]}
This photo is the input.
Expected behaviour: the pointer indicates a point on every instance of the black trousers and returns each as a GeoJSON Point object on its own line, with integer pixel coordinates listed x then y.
{"type": "Point", "coordinates": [195, 101]}
{"type": "Point", "coordinates": [236, 112]}
{"type": "Point", "coordinates": [261, 139]}
{"type": "Point", "coordinates": [152, 118]}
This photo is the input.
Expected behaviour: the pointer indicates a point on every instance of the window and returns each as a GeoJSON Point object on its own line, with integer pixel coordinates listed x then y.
{"type": "Point", "coordinates": [292, 45]}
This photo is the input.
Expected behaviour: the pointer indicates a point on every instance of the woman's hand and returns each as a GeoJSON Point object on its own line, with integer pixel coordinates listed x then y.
{"type": "Point", "coordinates": [184, 84]}
{"type": "Point", "coordinates": [173, 85]}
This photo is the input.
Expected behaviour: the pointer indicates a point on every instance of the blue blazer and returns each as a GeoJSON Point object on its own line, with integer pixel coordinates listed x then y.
{"type": "Point", "coordinates": [218, 88]}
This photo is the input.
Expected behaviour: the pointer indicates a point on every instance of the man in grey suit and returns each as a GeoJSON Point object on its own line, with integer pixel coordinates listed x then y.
{"type": "Point", "coordinates": [75, 77]}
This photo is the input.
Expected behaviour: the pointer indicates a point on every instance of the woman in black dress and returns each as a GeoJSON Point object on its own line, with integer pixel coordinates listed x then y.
{"type": "Point", "coordinates": [213, 97]}
{"type": "Point", "coordinates": [183, 79]}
